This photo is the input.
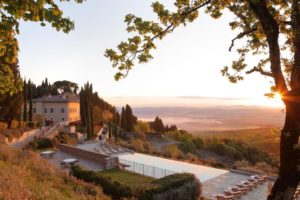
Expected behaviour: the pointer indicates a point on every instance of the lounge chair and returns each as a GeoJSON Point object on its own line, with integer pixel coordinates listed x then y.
{"type": "Point", "coordinates": [223, 197]}
{"type": "Point", "coordinates": [244, 187]}
{"type": "Point", "coordinates": [238, 189]}
{"type": "Point", "coordinates": [254, 181]}
{"type": "Point", "coordinates": [237, 194]}
{"type": "Point", "coordinates": [247, 183]}
{"type": "Point", "coordinates": [258, 178]}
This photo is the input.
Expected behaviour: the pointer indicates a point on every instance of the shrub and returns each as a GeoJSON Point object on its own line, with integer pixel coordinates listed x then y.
{"type": "Point", "coordinates": [140, 135]}
{"type": "Point", "coordinates": [137, 144]}
{"type": "Point", "coordinates": [265, 168]}
{"type": "Point", "coordinates": [65, 138]}
{"type": "Point", "coordinates": [241, 163]}
{"type": "Point", "coordinates": [187, 146]}
{"type": "Point", "coordinates": [41, 143]}
{"type": "Point", "coordinates": [219, 165]}
{"type": "Point", "coordinates": [14, 124]}
{"type": "Point", "coordinates": [191, 157]}
{"type": "Point", "coordinates": [183, 186]}
{"type": "Point", "coordinates": [149, 148]}
{"type": "Point", "coordinates": [199, 142]}
{"type": "Point", "coordinates": [225, 150]}
{"type": "Point", "coordinates": [23, 124]}
{"type": "Point", "coordinates": [13, 133]}
{"type": "Point", "coordinates": [31, 124]}
{"type": "Point", "coordinates": [3, 125]}
{"type": "Point", "coordinates": [110, 187]}
{"type": "Point", "coordinates": [141, 126]}
{"type": "Point", "coordinates": [172, 151]}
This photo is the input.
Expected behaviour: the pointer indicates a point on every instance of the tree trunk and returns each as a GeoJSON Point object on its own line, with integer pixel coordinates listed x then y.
{"type": "Point", "coordinates": [289, 174]}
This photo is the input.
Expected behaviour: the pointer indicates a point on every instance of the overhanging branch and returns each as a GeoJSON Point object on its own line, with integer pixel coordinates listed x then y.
{"type": "Point", "coordinates": [261, 71]}
{"type": "Point", "coordinates": [170, 28]}
{"type": "Point", "coordinates": [241, 35]}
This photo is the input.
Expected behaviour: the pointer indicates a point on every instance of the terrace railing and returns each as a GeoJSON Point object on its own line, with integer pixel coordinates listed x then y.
{"type": "Point", "coordinates": [146, 170]}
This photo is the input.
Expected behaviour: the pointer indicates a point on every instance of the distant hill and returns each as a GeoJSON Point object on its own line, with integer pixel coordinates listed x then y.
{"type": "Point", "coordinates": [196, 119]}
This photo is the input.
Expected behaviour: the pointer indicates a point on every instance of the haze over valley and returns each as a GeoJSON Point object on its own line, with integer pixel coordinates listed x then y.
{"type": "Point", "coordinates": [206, 113]}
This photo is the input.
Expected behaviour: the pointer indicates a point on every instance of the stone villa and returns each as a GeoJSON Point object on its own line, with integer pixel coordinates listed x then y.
{"type": "Point", "coordinates": [60, 108]}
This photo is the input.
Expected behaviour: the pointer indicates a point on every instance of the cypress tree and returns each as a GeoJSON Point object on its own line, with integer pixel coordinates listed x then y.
{"type": "Point", "coordinates": [25, 101]}
{"type": "Point", "coordinates": [91, 112]}
{"type": "Point", "coordinates": [30, 100]}
{"type": "Point", "coordinates": [83, 107]}
{"type": "Point", "coordinates": [123, 119]}
{"type": "Point", "coordinates": [129, 118]}
{"type": "Point", "coordinates": [86, 112]}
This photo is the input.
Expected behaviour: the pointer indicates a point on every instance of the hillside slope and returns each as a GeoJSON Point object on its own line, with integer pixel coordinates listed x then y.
{"type": "Point", "coordinates": [24, 175]}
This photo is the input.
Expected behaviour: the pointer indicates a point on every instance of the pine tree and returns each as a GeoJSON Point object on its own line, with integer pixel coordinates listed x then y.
{"type": "Point", "coordinates": [158, 125]}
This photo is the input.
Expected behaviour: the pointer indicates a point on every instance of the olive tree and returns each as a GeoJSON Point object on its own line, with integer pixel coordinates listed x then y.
{"type": "Point", "coordinates": [269, 31]}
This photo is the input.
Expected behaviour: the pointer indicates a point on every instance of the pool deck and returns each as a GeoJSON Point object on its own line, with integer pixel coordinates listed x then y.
{"type": "Point", "coordinates": [85, 163]}
{"type": "Point", "coordinates": [214, 180]}
{"type": "Point", "coordinates": [219, 184]}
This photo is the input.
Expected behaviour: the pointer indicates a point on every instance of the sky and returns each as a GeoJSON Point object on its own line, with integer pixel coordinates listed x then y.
{"type": "Point", "coordinates": [186, 64]}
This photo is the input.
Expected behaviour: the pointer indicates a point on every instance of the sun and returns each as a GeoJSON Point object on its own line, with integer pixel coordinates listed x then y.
{"type": "Point", "coordinates": [276, 101]}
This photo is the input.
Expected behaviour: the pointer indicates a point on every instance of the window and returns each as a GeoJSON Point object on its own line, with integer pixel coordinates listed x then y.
{"type": "Point", "coordinates": [34, 110]}
{"type": "Point", "coordinates": [45, 110]}
{"type": "Point", "coordinates": [62, 119]}
{"type": "Point", "coordinates": [51, 110]}
{"type": "Point", "coordinates": [62, 110]}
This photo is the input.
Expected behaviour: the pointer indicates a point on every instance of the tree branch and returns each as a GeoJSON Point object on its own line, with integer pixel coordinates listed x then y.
{"type": "Point", "coordinates": [261, 71]}
{"type": "Point", "coordinates": [271, 31]}
{"type": "Point", "coordinates": [286, 22]}
{"type": "Point", "coordinates": [241, 35]}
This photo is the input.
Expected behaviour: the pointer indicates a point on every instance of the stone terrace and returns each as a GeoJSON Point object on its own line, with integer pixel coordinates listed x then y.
{"type": "Point", "coordinates": [219, 184]}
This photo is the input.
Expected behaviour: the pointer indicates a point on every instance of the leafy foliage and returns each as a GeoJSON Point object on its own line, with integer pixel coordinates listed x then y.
{"type": "Point", "coordinates": [11, 13]}
{"type": "Point", "coordinates": [176, 186]}
{"type": "Point", "coordinates": [10, 104]}
{"type": "Point", "coordinates": [41, 143]}
{"type": "Point", "coordinates": [260, 24]}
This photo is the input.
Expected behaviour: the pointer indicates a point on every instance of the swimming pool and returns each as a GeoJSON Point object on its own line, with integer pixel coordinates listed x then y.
{"type": "Point", "coordinates": [203, 173]}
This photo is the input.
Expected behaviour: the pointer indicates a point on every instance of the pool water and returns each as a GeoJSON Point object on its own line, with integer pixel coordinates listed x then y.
{"type": "Point", "coordinates": [203, 173]}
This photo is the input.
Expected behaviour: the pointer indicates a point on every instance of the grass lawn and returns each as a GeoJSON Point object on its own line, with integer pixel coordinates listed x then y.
{"type": "Point", "coordinates": [133, 180]}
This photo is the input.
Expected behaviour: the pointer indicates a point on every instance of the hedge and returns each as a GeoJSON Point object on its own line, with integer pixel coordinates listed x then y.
{"type": "Point", "coordinates": [115, 189]}
{"type": "Point", "coordinates": [41, 143]}
{"type": "Point", "coordinates": [182, 186]}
